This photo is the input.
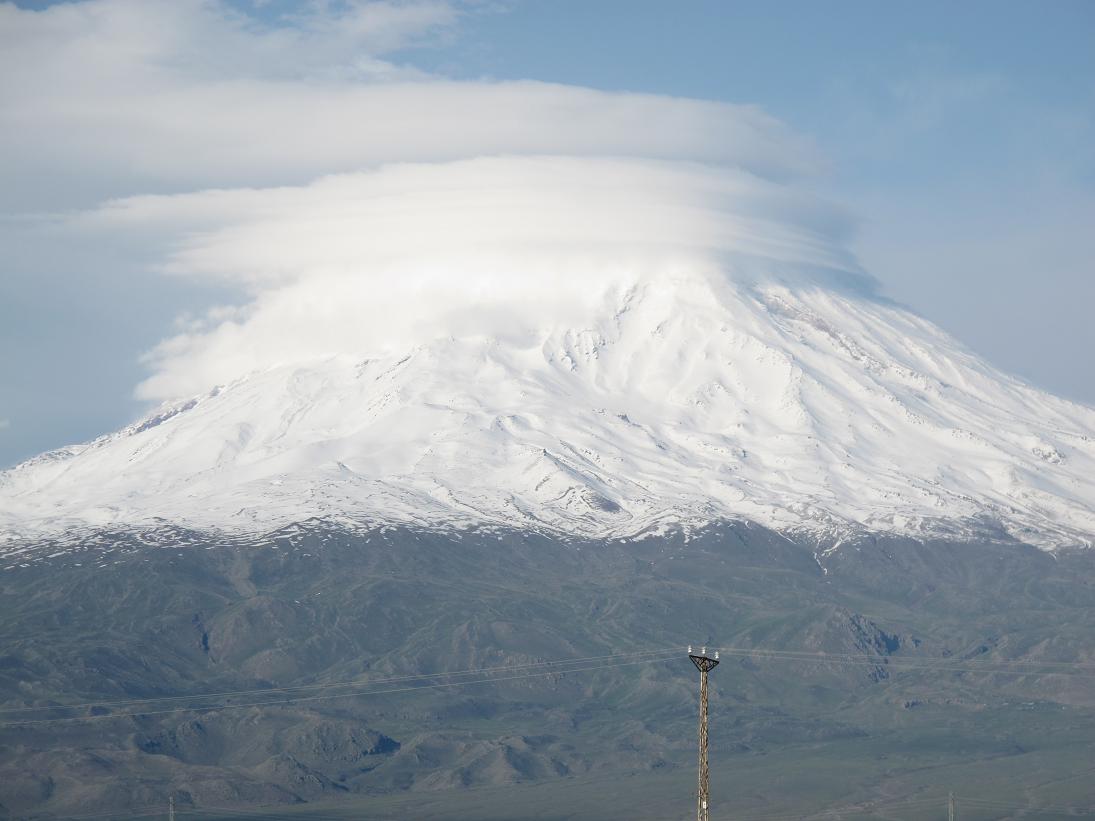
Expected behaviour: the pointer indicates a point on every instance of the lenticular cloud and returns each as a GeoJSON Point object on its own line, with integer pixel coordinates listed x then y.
{"type": "Point", "coordinates": [367, 262]}
{"type": "Point", "coordinates": [357, 205]}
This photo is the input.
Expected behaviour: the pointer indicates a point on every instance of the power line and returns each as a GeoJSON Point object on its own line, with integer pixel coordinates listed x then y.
{"type": "Point", "coordinates": [821, 654]}
{"type": "Point", "coordinates": [329, 685]}
{"type": "Point", "coordinates": [934, 663]}
{"type": "Point", "coordinates": [892, 663]}
{"type": "Point", "coordinates": [212, 708]}
{"type": "Point", "coordinates": [1003, 666]}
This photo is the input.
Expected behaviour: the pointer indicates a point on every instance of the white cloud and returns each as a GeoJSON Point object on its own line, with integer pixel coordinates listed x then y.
{"type": "Point", "coordinates": [369, 261]}
{"type": "Point", "coordinates": [363, 205]}
{"type": "Point", "coordinates": [5, 423]}
{"type": "Point", "coordinates": [115, 97]}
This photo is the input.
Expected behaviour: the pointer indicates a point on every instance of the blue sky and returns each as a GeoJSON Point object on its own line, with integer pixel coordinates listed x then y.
{"type": "Point", "coordinates": [959, 137]}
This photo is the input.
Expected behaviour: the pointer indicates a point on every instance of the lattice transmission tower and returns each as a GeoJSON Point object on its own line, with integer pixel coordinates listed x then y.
{"type": "Point", "coordinates": [704, 664]}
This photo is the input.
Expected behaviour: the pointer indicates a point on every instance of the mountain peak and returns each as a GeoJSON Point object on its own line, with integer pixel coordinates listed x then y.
{"type": "Point", "coordinates": [677, 402]}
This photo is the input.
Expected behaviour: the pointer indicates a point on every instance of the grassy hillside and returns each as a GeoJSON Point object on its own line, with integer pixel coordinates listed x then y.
{"type": "Point", "coordinates": [934, 700]}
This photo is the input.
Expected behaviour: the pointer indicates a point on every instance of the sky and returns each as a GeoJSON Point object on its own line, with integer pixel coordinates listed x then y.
{"type": "Point", "coordinates": [164, 163]}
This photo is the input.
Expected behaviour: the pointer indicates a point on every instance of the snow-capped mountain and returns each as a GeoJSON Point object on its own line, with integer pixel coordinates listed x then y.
{"type": "Point", "coordinates": [680, 401]}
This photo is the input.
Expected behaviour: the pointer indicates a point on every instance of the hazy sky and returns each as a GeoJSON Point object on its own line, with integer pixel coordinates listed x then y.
{"type": "Point", "coordinates": [951, 146]}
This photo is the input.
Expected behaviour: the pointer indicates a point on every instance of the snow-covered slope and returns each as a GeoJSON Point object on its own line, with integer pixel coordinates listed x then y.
{"type": "Point", "coordinates": [680, 401]}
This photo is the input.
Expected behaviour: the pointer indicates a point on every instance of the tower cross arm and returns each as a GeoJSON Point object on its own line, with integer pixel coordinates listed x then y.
{"type": "Point", "coordinates": [703, 663]}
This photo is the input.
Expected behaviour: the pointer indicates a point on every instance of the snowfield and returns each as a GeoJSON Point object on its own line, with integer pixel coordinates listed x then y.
{"type": "Point", "coordinates": [818, 411]}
